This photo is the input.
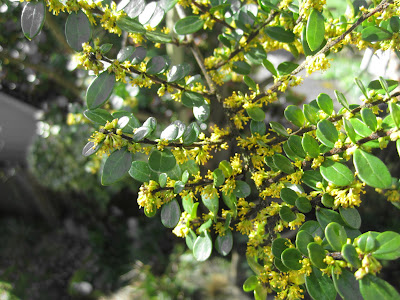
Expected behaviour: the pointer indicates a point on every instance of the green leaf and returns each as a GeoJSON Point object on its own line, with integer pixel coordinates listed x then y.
{"type": "Point", "coordinates": [116, 166]}
{"type": "Point", "coordinates": [311, 113]}
{"type": "Point", "coordinates": [287, 214]}
{"type": "Point", "coordinates": [125, 53]}
{"type": "Point", "coordinates": [303, 238]}
{"type": "Point", "coordinates": [351, 133]}
{"type": "Point", "coordinates": [291, 258]}
{"type": "Point", "coordinates": [315, 30]}
{"type": "Point", "coordinates": [286, 68]}
{"type": "Point", "coordinates": [250, 82]}
{"type": "Point", "coordinates": [258, 127]}
{"type": "Point", "coordinates": [398, 146]}
{"type": "Point", "coordinates": [179, 186]}
{"type": "Point", "coordinates": [325, 103]}
{"type": "Point", "coordinates": [278, 246]}
{"type": "Point", "coordinates": [294, 143]}
{"type": "Point", "coordinates": [361, 87]}
{"type": "Point", "coordinates": [289, 196]}
{"type": "Point", "coordinates": [310, 145]}
{"type": "Point", "coordinates": [170, 214]}
{"type": "Point", "coordinates": [389, 246]}
{"type": "Point", "coordinates": [351, 217]}
{"type": "Point", "coordinates": [279, 34]}
{"type": "Point", "coordinates": [342, 99]}
{"type": "Point", "coordinates": [250, 284]}
{"type": "Point", "coordinates": [156, 65]}
{"type": "Point", "coordinates": [280, 266]}
{"type": "Point", "coordinates": [130, 25]}
{"type": "Point", "coordinates": [336, 235]}
{"type": "Point", "coordinates": [270, 67]}
{"type": "Point", "coordinates": [326, 216]}
{"type": "Point", "coordinates": [371, 170]}
{"type": "Point", "coordinates": [191, 134]}
{"type": "Point", "coordinates": [77, 30]}
{"type": "Point", "coordinates": [192, 99]}
{"type": "Point", "coordinates": [162, 179]}
{"type": "Point", "coordinates": [278, 128]}
{"type": "Point", "coordinates": [190, 239]}
{"type": "Point", "coordinates": [226, 167]}
{"type": "Point", "coordinates": [303, 204]}
{"type": "Point", "coordinates": [140, 171]}
{"type": "Point", "coordinates": [319, 286]}
{"type": "Point", "coordinates": [188, 25]}
{"type": "Point", "coordinates": [178, 72]}
{"type": "Point", "coordinates": [327, 133]}
{"type": "Point", "coordinates": [372, 288]}
{"type": "Point", "coordinates": [369, 118]}
{"type": "Point", "coordinates": [218, 177]}
{"type": "Point", "coordinates": [134, 8]}
{"type": "Point", "coordinates": [202, 247]}
{"type": "Point", "coordinates": [283, 163]}
{"type": "Point", "coordinates": [376, 86]}
{"type": "Point", "coordinates": [313, 228]}
{"type": "Point", "coordinates": [367, 241]}
{"type": "Point", "coordinates": [395, 113]}
{"type": "Point", "coordinates": [350, 254]}
{"type": "Point", "coordinates": [242, 189]}
{"type": "Point", "coordinates": [395, 24]}
{"type": "Point", "coordinates": [187, 203]}
{"type": "Point", "coordinates": [211, 201]}
{"type": "Point", "coordinates": [105, 48]}
{"type": "Point", "coordinates": [158, 37]}
{"type": "Point", "coordinates": [230, 201]}
{"type": "Point", "coordinates": [346, 285]}
{"type": "Point", "coordinates": [256, 113]}
{"type": "Point", "coordinates": [224, 243]}
{"type": "Point", "coordinates": [384, 85]}
{"type": "Point", "coordinates": [241, 67]}
{"type": "Point", "coordinates": [316, 253]}
{"type": "Point", "coordinates": [170, 133]}
{"type": "Point", "coordinates": [162, 161]}
{"type": "Point", "coordinates": [98, 115]}
{"type": "Point", "coordinates": [139, 55]}
{"type": "Point", "coordinates": [100, 90]}
{"type": "Point", "coordinates": [375, 34]}
{"type": "Point", "coordinates": [202, 112]}
{"type": "Point", "coordinates": [32, 19]}
{"type": "Point", "coordinates": [327, 200]}
{"type": "Point", "coordinates": [336, 173]}
{"type": "Point", "coordinates": [294, 115]}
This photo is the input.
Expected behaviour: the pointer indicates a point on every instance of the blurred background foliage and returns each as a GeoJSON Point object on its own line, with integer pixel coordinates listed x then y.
{"type": "Point", "coordinates": [82, 240]}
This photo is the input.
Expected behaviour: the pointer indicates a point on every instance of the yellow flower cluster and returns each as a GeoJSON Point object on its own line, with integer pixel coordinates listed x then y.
{"type": "Point", "coordinates": [317, 63]}
{"type": "Point", "coordinates": [348, 196]}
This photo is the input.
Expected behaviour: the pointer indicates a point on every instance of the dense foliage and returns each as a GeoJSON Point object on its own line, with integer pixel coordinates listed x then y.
{"type": "Point", "coordinates": [218, 168]}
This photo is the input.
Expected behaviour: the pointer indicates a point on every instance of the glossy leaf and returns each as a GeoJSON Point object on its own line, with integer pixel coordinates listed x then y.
{"type": "Point", "coordinates": [295, 144]}
{"type": "Point", "coordinates": [315, 30]}
{"type": "Point", "coordinates": [138, 55]}
{"type": "Point", "coordinates": [303, 204]}
{"type": "Point", "coordinates": [327, 133]}
{"type": "Point", "coordinates": [351, 217]}
{"type": "Point", "coordinates": [224, 243]}
{"type": "Point", "coordinates": [202, 112]}
{"type": "Point", "coordinates": [250, 284]}
{"type": "Point", "coordinates": [170, 214]}
{"type": "Point", "coordinates": [90, 149]}
{"type": "Point", "coordinates": [311, 178]}
{"type": "Point", "coordinates": [202, 247]}
{"type": "Point", "coordinates": [191, 134]}
{"type": "Point", "coordinates": [279, 34]}
{"type": "Point", "coordinates": [125, 53]}
{"type": "Point", "coordinates": [310, 146]}
{"type": "Point", "coordinates": [389, 246]}
{"type": "Point", "coordinates": [325, 103]}
{"type": "Point", "coordinates": [287, 214]}
{"type": "Point", "coordinates": [289, 196]}
{"type": "Point", "coordinates": [350, 254]}
{"type": "Point", "coordinates": [371, 170]}
{"type": "Point", "coordinates": [336, 235]}
{"type": "Point", "coordinates": [291, 258]}
{"type": "Point", "coordinates": [327, 200]}
{"type": "Point", "coordinates": [242, 189]}
{"type": "Point", "coordinates": [294, 115]}
{"type": "Point", "coordinates": [162, 161]}
{"type": "Point", "coordinates": [319, 286]}
{"type": "Point", "coordinates": [190, 239]}
{"type": "Point", "coordinates": [336, 173]}
{"type": "Point", "coordinates": [278, 246]}
{"type": "Point", "coordinates": [367, 241]}
{"type": "Point", "coordinates": [372, 288]}
{"type": "Point", "coordinates": [98, 115]}
{"type": "Point", "coordinates": [241, 67]}
{"type": "Point", "coordinates": [156, 65]}
{"type": "Point", "coordinates": [376, 86]}
{"type": "Point", "coordinates": [346, 285]}
{"type": "Point", "coordinates": [130, 25]}
{"type": "Point", "coordinates": [218, 177]}
{"type": "Point", "coordinates": [375, 34]}
{"type": "Point", "coordinates": [256, 113]}
{"type": "Point", "coordinates": [192, 99]}
{"type": "Point", "coordinates": [313, 228]}
{"type": "Point", "coordinates": [100, 90]}
{"type": "Point", "coordinates": [158, 37]}
{"type": "Point", "coordinates": [229, 200]}
{"type": "Point", "coordinates": [326, 216]}
{"type": "Point", "coordinates": [278, 128]}
{"type": "Point", "coordinates": [140, 171]}
{"type": "Point", "coordinates": [279, 265]}
{"type": "Point", "coordinates": [116, 166]}
{"type": "Point", "coordinates": [311, 113]}
{"type": "Point", "coordinates": [178, 72]}
{"type": "Point", "coordinates": [342, 99]}
{"type": "Point", "coordinates": [211, 201]}
{"type": "Point", "coordinates": [316, 253]}
{"type": "Point", "coordinates": [303, 238]}
{"type": "Point", "coordinates": [283, 163]}
{"type": "Point", "coordinates": [270, 67]}
{"type": "Point", "coordinates": [134, 8]}
{"type": "Point", "coordinates": [188, 25]}
{"type": "Point", "coordinates": [286, 68]}
{"type": "Point", "coordinates": [250, 82]}
{"type": "Point", "coordinates": [32, 18]}
{"type": "Point", "coordinates": [226, 167]}
{"type": "Point", "coordinates": [369, 118]}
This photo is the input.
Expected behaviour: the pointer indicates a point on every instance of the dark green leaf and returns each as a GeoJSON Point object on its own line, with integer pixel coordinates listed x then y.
{"type": "Point", "coordinates": [283, 163]}
{"type": "Point", "coordinates": [256, 113]}
{"type": "Point", "coordinates": [342, 99]}
{"type": "Point", "coordinates": [310, 145]}
{"type": "Point", "coordinates": [294, 143]}
{"type": "Point", "coordinates": [336, 235]}
{"type": "Point", "coordinates": [188, 25]}
{"type": "Point", "coordinates": [171, 133]}
{"type": "Point", "coordinates": [134, 8]}
{"type": "Point", "coordinates": [315, 30]}
{"type": "Point", "coordinates": [316, 253]}
{"type": "Point", "coordinates": [250, 82]}
{"type": "Point", "coordinates": [311, 113]}
{"type": "Point", "coordinates": [191, 134]}
{"type": "Point", "coordinates": [325, 103]}
{"type": "Point", "coordinates": [158, 37]}
{"type": "Point", "coordinates": [319, 286]}
{"type": "Point", "coordinates": [361, 87]}
{"type": "Point", "coordinates": [130, 25]}
{"type": "Point", "coordinates": [371, 170]}
{"type": "Point", "coordinates": [279, 265]}
{"type": "Point", "coordinates": [202, 247]}
{"type": "Point", "coordinates": [202, 112]}
{"type": "Point", "coordinates": [395, 24]}
{"type": "Point", "coordinates": [162, 179]}
{"type": "Point", "coordinates": [375, 34]}
{"type": "Point", "coordinates": [303, 238]}
{"type": "Point", "coordinates": [326, 216]}
{"type": "Point", "coordinates": [192, 99]}
{"type": "Point", "coordinates": [219, 177]}
{"type": "Point", "coordinates": [336, 173]}
{"type": "Point", "coordinates": [98, 115]}
{"type": "Point", "coordinates": [372, 288]}
{"type": "Point", "coordinates": [170, 214]}
{"type": "Point", "coordinates": [32, 19]}
{"type": "Point", "coordinates": [190, 239]}
{"type": "Point", "coordinates": [178, 72]}
{"type": "Point", "coordinates": [351, 217]}
{"type": "Point", "coordinates": [278, 246]}
{"type": "Point", "coordinates": [294, 115]}
{"type": "Point", "coordinates": [211, 201]}
{"type": "Point", "coordinates": [303, 204]}
{"type": "Point", "coordinates": [140, 171]}
{"type": "Point", "coordinates": [376, 86]}
{"type": "Point", "coordinates": [291, 258]}
{"type": "Point", "coordinates": [278, 128]}
{"type": "Point", "coordinates": [270, 67]}
{"type": "Point", "coordinates": [367, 241]}
{"type": "Point", "coordinates": [279, 34]}
{"type": "Point", "coordinates": [89, 149]}
{"type": "Point", "coordinates": [77, 30]}
{"type": "Point", "coordinates": [286, 68]}
{"type": "Point", "coordinates": [289, 196]}
{"type": "Point", "coordinates": [156, 65]}
{"type": "Point", "coordinates": [242, 189]}
{"type": "Point", "coordinates": [258, 127]}
{"type": "Point", "coordinates": [389, 246]}
{"type": "Point", "coordinates": [395, 113]}
{"type": "Point", "coordinates": [287, 214]}
{"type": "Point", "coordinates": [179, 186]}
{"type": "Point", "coordinates": [346, 285]}
{"type": "Point", "coordinates": [116, 166]}
{"type": "Point", "coordinates": [100, 90]}
{"type": "Point", "coordinates": [327, 200]}
{"type": "Point", "coordinates": [311, 178]}
{"type": "Point", "coordinates": [369, 118]}
{"type": "Point", "coordinates": [125, 53]}
{"type": "Point", "coordinates": [241, 67]}
{"type": "Point", "coordinates": [327, 133]}
{"type": "Point", "coordinates": [205, 226]}
{"type": "Point", "coordinates": [313, 228]}
{"type": "Point", "coordinates": [162, 161]}
{"type": "Point", "coordinates": [230, 200]}
{"type": "Point", "coordinates": [224, 243]}
{"type": "Point", "coordinates": [350, 254]}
